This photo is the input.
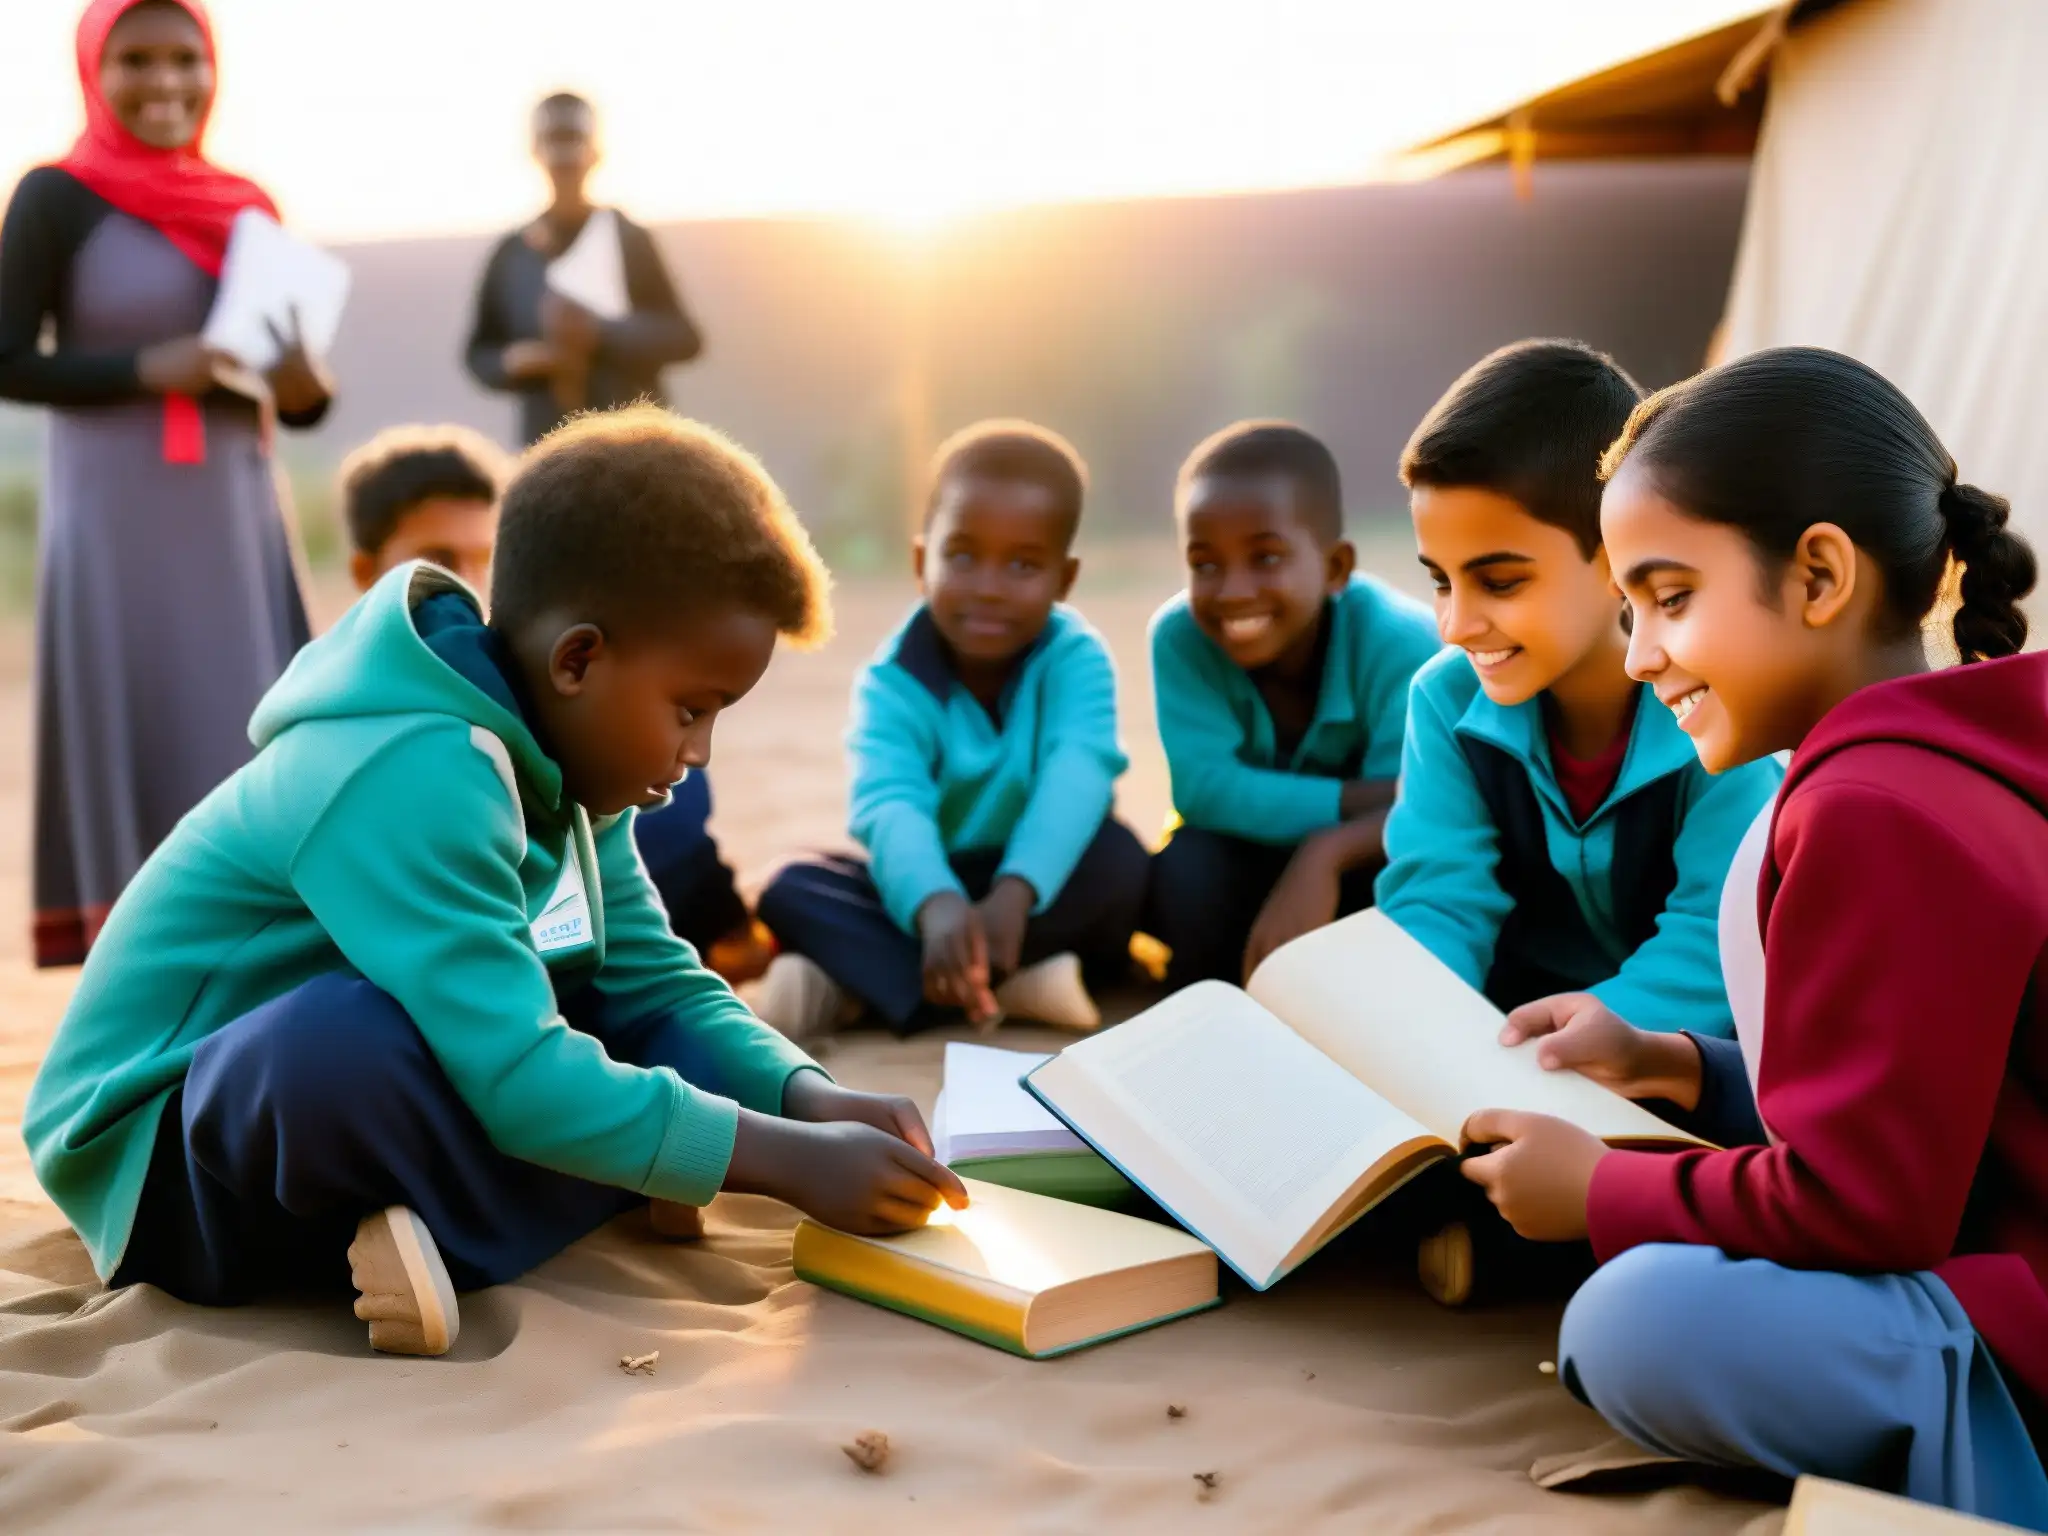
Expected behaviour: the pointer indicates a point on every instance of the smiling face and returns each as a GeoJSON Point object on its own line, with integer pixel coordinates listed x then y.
{"type": "Point", "coordinates": [1516, 594]}
{"type": "Point", "coordinates": [1258, 573]}
{"type": "Point", "coordinates": [157, 76]}
{"type": "Point", "coordinates": [1745, 657]}
{"type": "Point", "coordinates": [625, 719]}
{"type": "Point", "coordinates": [992, 562]}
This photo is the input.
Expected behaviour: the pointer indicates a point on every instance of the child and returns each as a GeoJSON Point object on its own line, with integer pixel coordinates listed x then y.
{"type": "Point", "coordinates": [1858, 1287]}
{"type": "Point", "coordinates": [1281, 676]}
{"type": "Point", "coordinates": [423, 493]}
{"type": "Point", "coordinates": [402, 977]}
{"type": "Point", "coordinates": [984, 755]}
{"type": "Point", "coordinates": [1555, 832]}
{"type": "Point", "coordinates": [431, 493]}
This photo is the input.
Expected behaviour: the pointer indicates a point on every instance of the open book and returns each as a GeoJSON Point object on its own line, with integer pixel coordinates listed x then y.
{"type": "Point", "coordinates": [1268, 1120]}
{"type": "Point", "coordinates": [269, 277]}
{"type": "Point", "coordinates": [986, 1126]}
{"type": "Point", "coordinates": [1031, 1275]}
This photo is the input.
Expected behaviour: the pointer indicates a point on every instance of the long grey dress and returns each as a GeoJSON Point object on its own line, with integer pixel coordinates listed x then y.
{"type": "Point", "coordinates": [167, 595]}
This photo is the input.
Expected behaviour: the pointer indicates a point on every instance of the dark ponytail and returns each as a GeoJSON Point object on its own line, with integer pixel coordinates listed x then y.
{"type": "Point", "coordinates": [1778, 441]}
{"type": "Point", "coordinates": [1998, 570]}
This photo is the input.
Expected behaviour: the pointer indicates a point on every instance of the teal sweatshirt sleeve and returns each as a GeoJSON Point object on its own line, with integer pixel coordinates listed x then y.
{"type": "Point", "coordinates": [1402, 637]}
{"type": "Point", "coordinates": [1442, 850]}
{"type": "Point", "coordinates": [1076, 773]}
{"type": "Point", "coordinates": [412, 870]}
{"type": "Point", "coordinates": [1212, 786]}
{"type": "Point", "coordinates": [893, 750]}
{"type": "Point", "coordinates": [648, 970]}
{"type": "Point", "coordinates": [1673, 980]}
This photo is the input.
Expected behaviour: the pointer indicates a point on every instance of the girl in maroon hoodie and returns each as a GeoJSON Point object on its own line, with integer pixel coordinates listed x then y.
{"type": "Point", "coordinates": [1858, 1285]}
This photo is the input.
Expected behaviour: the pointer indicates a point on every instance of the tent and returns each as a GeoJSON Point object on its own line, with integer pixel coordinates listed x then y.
{"type": "Point", "coordinates": [1898, 196]}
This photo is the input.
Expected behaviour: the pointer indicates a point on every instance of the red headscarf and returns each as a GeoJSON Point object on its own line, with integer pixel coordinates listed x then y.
{"type": "Point", "coordinates": [188, 199]}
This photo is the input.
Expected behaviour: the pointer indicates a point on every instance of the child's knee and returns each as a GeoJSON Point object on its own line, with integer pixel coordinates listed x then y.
{"type": "Point", "coordinates": [297, 1054]}
{"type": "Point", "coordinates": [1630, 1323]}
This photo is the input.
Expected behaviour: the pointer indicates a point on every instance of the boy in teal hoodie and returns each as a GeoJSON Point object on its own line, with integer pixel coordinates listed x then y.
{"type": "Point", "coordinates": [1281, 676]}
{"type": "Point", "coordinates": [1555, 833]}
{"type": "Point", "coordinates": [402, 978]}
{"type": "Point", "coordinates": [983, 748]}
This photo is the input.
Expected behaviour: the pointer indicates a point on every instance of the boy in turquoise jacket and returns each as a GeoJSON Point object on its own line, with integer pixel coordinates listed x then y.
{"type": "Point", "coordinates": [402, 978]}
{"type": "Point", "coordinates": [1555, 833]}
{"type": "Point", "coordinates": [1281, 678]}
{"type": "Point", "coordinates": [983, 748]}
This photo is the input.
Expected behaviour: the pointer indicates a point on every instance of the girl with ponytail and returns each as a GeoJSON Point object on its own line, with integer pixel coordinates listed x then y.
{"type": "Point", "coordinates": [1857, 1286]}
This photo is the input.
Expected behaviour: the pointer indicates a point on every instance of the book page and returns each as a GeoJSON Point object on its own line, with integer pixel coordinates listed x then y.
{"type": "Point", "coordinates": [1374, 1000]}
{"type": "Point", "coordinates": [1029, 1243]}
{"type": "Point", "coordinates": [270, 275]}
{"type": "Point", "coordinates": [988, 1111]}
{"type": "Point", "coordinates": [592, 271]}
{"type": "Point", "coordinates": [1232, 1121]}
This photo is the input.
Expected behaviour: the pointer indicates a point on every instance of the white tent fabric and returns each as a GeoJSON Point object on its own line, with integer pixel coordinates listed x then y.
{"type": "Point", "coordinates": [1898, 212]}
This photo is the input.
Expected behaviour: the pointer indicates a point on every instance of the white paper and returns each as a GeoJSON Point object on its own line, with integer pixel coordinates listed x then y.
{"type": "Point", "coordinates": [269, 274]}
{"type": "Point", "coordinates": [592, 272]}
{"type": "Point", "coordinates": [984, 1111]}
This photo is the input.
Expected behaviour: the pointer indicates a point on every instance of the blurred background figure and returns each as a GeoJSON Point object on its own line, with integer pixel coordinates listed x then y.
{"type": "Point", "coordinates": [423, 493]}
{"type": "Point", "coordinates": [553, 354]}
{"type": "Point", "coordinates": [168, 594]}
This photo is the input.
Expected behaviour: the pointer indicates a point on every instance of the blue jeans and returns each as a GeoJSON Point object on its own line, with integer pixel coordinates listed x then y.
{"type": "Point", "coordinates": [324, 1104]}
{"type": "Point", "coordinates": [1871, 1379]}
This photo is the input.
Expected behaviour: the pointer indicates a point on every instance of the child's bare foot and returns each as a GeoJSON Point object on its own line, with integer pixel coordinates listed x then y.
{"type": "Point", "coordinates": [678, 1223]}
{"type": "Point", "coordinates": [407, 1298]}
{"type": "Point", "coordinates": [743, 955]}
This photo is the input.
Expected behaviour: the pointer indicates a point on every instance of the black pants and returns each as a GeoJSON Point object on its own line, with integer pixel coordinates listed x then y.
{"type": "Point", "coordinates": [324, 1105]}
{"type": "Point", "coordinates": [682, 860]}
{"type": "Point", "coordinates": [828, 910]}
{"type": "Point", "coordinates": [1207, 889]}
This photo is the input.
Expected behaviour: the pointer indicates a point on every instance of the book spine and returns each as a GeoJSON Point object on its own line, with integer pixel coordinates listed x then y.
{"type": "Point", "coordinates": [867, 1273]}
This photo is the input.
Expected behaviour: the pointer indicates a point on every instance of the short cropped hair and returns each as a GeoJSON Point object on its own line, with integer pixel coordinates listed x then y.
{"type": "Point", "coordinates": [403, 466]}
{"type": "Point", "coordinates": [1011, 449]}
{"type": "Point", "coordinates": [1250, 449]}
{"type": "Point", "coordinates": [563, 101]}
{"type": "Point", "coordinates": [1528, 422]}
{"type": "Point", "coordinates": [623, 518]}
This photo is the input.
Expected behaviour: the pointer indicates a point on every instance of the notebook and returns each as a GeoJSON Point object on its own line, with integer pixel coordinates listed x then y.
{"type": "Point", "coordinates": [268, 274]}
{"type": "Point", "coordinates": [592, 271]}
{"type": "Point", "coordinates": [1028, 1274]}
{"type": "Point", "coordinates": [1267, 1120]}
{"type": "Point", "coordinates": [986, 1126]}
{"type": "Point", "coordinates": [1822, 1507]}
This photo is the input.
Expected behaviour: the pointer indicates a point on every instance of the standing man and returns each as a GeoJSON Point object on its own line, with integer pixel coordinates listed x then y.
{"type": "Point", "coordinates": [551, 352]}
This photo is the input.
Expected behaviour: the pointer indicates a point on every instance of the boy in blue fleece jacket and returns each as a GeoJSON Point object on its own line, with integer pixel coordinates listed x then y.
{"type": "Point", "coordinates": [1555, 832]}
{"type": "Point", "coordinates": [984, 754]}
{"type": "Point", "coordinates": [402, 978]}
{"type": "Point", "coordinates": [1281, 677]}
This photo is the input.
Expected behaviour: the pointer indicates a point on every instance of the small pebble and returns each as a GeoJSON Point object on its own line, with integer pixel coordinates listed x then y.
{"type": "Point", "coordinates": [1547, 1367]}
{"type": "Point", "coordinates": [640, 1365]}
{"type": "Point", "coordinates": [869, 1451]}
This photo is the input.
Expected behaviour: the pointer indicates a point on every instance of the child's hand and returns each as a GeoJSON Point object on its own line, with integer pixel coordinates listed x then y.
{"type": "Point", "coordinates": [845, 1174]}
{"type": "Point", "coordinates": [1304, 900]}
{"type": "Point", "coordinates": [815, 1097]}
{"type": "Point", "coordinates": [1005, 913]}
{"type": "Point", "coordinates": [1538, 1175]}
{"type": "Point", "coordinates": [1580, 1034]}
{"type": "Point", "coordinates": [955, 955]}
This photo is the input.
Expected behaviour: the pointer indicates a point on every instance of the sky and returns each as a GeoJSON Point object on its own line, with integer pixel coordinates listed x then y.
{"type": "Point", "coordinates": [375, 118]}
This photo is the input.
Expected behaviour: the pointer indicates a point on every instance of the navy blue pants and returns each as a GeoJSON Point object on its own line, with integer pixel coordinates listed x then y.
{"type": "Point", "coordinates": [682, 860]}
{"type": "Point", "coordinates": [829, 911]}
{"type": "Point", "coordinates": [1207, 889]}
{"type": "Point", "coordinates": [307, 1114]}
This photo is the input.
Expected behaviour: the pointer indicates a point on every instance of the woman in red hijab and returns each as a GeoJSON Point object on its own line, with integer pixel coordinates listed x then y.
{"type": "Point", "coordinates": [168, 598]}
